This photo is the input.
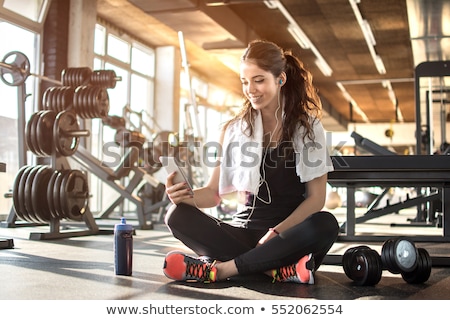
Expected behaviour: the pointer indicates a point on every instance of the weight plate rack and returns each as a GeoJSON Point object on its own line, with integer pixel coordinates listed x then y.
{"type": "Point", "coordinates": [54, 132]}
{"type": "Point", "coordinates": [47, 194]}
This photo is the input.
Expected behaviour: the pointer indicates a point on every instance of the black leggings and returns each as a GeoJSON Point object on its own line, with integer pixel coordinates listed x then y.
{"type": "Point", "coordinates": [207, 236]}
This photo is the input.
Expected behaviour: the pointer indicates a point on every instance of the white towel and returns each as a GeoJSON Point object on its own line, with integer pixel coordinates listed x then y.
{"type": "Point", "coordinates": [241, 158]}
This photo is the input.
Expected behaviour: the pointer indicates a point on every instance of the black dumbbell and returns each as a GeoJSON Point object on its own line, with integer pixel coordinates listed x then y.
{"type": "Point", "coordinates": [363, 265]}
{"type": "Point", "coordinates": [399, 255]}
{"type": "Point", "coordinates": [422, 271]}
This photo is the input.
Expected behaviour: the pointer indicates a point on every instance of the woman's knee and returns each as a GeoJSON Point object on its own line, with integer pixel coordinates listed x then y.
{"type": "Point", "coordinates": [332, 224]}
{"type": "Point", "coordinates": [182, 215]}
{"type": "Point", "coordinates": [331, 220]}
{"type": "Point", "coordinates": [324, 224]}
{"type": "Point", "coordinates": [171, 214]}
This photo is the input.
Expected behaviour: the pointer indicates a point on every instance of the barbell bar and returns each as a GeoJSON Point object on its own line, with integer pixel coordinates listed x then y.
{"type": "Point", "coordinates": [19, 70]}
{"type": "Point", "coordinates": [15, 69]}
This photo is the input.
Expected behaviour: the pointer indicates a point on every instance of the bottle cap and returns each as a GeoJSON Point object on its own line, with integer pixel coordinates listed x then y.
{"type": "Point", "coordinates": [123, 226]}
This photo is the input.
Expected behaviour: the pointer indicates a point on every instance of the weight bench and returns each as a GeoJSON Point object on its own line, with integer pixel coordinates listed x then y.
{"type": "Point", "coordinates": [418, 171]}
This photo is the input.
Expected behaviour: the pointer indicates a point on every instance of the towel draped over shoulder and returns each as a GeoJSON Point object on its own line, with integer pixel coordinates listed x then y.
{"type": "Point", "coordinates": [242, 155]}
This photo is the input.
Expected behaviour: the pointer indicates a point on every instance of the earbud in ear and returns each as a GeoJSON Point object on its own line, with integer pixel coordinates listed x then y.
{"type": "Point", "coordinates": [281, 81]}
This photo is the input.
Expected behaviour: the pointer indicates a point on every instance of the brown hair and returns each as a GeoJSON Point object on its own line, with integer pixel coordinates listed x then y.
{"type": "Point", "coordinates": [301, 101]}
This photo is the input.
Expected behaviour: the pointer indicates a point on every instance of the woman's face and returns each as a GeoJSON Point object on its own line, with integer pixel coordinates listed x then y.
{"type": "Point", "coordinates": [259, 86]}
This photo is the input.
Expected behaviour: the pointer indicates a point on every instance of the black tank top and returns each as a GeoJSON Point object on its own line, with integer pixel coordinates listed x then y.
{"type": "Point", "coordinates": [280, 192]}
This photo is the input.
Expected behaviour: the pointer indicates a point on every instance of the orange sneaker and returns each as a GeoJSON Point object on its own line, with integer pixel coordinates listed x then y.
{"type": "Point", "coordinates": [300, 272]}
{"type": "Point", "coordinates": [181, 267]}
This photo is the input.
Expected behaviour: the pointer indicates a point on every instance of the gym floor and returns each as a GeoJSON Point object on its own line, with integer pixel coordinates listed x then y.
{"type": "Point", "coordinates": [81, 267]}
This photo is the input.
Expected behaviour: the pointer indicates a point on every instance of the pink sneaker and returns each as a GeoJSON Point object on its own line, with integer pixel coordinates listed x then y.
{"type": "Point", "coordinates": [300, 272]}
{"type": "Point", "coordinates": [181, 267]}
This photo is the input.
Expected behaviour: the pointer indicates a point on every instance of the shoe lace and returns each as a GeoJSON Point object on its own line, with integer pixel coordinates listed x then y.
{"type": "Point", "coordinates": [198, 269]}
{"type": "Point", "coordinates": [285, 273]}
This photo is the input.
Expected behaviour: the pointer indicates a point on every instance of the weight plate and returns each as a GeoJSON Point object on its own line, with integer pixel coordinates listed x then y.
{"type": "Point", "coordinates": [65, 77]}
{"type": "Point", "coordinates": [34, 135]}
{"type": "Point", "coordinates": [387, 256]}
{"type": "Point", "coordinates": [102, 103]}
{"type": "Point", "coordinates": [376, 268]}
{"type": "Point", "coordinates": [28, 194]}
{"type": "Point", "coordinates": [112, 79]}
{"type": "Point", "coordinates": [58, 99]}
{"type": "Point", "coordinates": [54, 100]}
{"type": "Point", "coordinates": [55, 103]}
{"type": "Point", "coordinates": [67, 98]}
{"type": "Point", "coordinates": [347, 258]}
{"type": "Point", "coordinates": [87, 104]}
{"type": "Point", "coordinates": [399, 255]}
{"type": "Point", "coordinates": [423, 270]}
{"type": "Point", "coordinates": [51, 99]}
{"type": "Point", "coordinates": [75, 77]}
{"type": "Point", "coordinates": [86, 76]}
{"type": "Point", "coordinates": [21, 194]}
{"type": "Point", "coordinates": [39, 194]}
{"type": "Point", "coordinates": [91, 102]}
{"type": "Point", "coordinates": [80, 102]}
{"type": "Point", "coordinates": [18, 71]}
{"type": "Point", "coordinates": [66, 122]}
{"type": "Point", "coordinates": [29, 133]}
{"type": "Point", "coordinates": [74, 195]}
{"type": "Point", "coordinates": [50, 199]}
{"type": "Point", "coordinates": [84, 103]}
{"type": "Point", "coordinates": [16, 200]}
{"type": "Point", "coordinates": [44, 131]}
{"type": "Point", "coordinates": [405, 255]}
{"type": "Point", "coordinates": [46, 98]}
{"type": "Point", "coordinates": [57, 195]}
{"type": "Point", "coordinates": [83, 75]}
{"type": "Point", "coordinates": [359, 267]}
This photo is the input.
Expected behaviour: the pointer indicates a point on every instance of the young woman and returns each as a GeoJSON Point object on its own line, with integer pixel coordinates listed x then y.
{"type": "Point", "coordinates": [274, 156]}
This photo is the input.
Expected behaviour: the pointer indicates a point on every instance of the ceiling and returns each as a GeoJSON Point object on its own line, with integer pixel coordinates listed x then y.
{"type": "Point", "coordinates": [406, 32]}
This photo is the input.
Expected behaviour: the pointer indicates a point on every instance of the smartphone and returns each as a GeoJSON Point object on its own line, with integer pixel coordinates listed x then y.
{"type": "Point", "coordinates": [171, 164]}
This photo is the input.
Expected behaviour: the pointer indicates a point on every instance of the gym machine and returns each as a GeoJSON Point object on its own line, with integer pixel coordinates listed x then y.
{"type": "Point", "coordinates": [431, 86]}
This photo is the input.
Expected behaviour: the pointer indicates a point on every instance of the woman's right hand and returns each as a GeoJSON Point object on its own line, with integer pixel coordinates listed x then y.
{"type": "Point", "coordinates": [177, 192]}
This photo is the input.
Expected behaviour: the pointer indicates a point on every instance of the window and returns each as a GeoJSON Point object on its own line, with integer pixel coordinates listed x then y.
{"type": "Point", "coordinates": [33, 10]}
{"type": "Point", "coordinates": [134, 63]}
{"type": "Point", "coordinates": [118, 48]}
{"type": "Point", "coordinates": [14, 38]}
